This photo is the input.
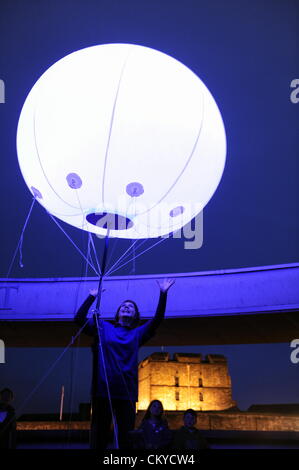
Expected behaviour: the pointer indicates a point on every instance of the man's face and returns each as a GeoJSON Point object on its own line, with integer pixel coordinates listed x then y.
{"type": "Point", "coordinates": [126, 314]}
{"type": "Point", "coordinates": [189, 420]}
{"type": "Point", "coordinates": [156, 408]}
{"type": "Point", "coordinates": [6, 397]}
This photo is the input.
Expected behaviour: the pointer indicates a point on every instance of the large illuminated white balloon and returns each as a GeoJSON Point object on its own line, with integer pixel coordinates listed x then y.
{"type": "Point", "coordinates": [125, 130]}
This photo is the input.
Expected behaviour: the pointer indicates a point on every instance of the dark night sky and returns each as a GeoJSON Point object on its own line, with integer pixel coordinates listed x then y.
{"type": "Point", "coordinates": [261, 373]}
{"type": "Point", "coordinates": [247, 53]}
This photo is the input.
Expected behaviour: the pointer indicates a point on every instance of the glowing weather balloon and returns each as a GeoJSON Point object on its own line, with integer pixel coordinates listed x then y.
{"type": "Point", "coordinates": [121, 136]}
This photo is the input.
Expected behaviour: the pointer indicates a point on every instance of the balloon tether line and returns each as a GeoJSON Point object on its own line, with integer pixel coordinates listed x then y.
{"type": "Point", "coordinates": [96, 316]}
{"type": "Point", "coordinates": [20, 242]}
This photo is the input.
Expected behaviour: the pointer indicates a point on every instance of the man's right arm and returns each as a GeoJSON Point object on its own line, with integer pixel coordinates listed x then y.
{"type": "Point", "coordinates": [80, 317]}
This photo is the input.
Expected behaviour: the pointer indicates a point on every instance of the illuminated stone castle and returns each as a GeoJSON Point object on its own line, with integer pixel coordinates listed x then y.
{"type": "Point", "coordinates": [186, 381]}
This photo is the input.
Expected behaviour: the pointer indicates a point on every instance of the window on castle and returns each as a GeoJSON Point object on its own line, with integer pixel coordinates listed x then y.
{"type": "Point", "coordinates": [177, 396]}
{"type": "Point", "coordinates": [176, 381]}
{"type": "Point", "coordinates": [200, 396]}
{"type": "Point", "coordinates": [200, 382]}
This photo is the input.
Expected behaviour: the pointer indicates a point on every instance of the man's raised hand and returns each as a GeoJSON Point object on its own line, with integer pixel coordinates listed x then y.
{"type": "Point", "coordinates": [165, 284]}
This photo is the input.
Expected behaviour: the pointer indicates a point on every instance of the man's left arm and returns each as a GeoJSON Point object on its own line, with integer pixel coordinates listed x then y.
{"type": "Point", "coordinates": [148, 330]}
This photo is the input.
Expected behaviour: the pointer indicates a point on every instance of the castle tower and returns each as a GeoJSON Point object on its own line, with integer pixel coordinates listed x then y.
{"type": "Point", "coordinates": [186, 381]}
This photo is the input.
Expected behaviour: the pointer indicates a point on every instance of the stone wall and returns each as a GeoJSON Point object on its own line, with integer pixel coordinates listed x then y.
{"type": "Point", "coordinates": [237, 421]}
{"type": "Point", "coordinates": [233, 421]}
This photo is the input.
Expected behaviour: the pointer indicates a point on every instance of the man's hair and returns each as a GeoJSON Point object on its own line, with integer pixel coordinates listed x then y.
{"type": "Point", "coordinates": [8, 391]}
{"type": "Point", "coordinates": [190, 412]}
{"type": "Point", "coordinates": [148, 411]}
{"type": "Point", "coordinates": [136, 315]}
